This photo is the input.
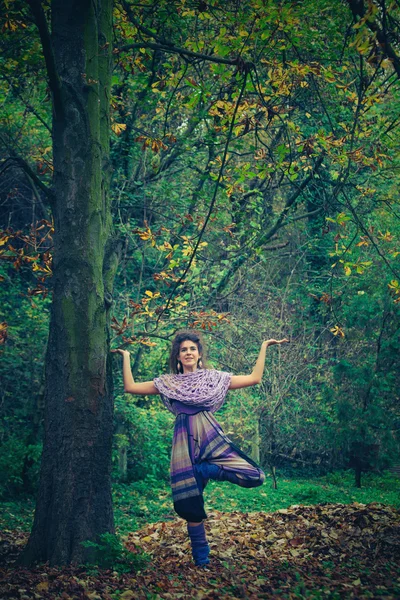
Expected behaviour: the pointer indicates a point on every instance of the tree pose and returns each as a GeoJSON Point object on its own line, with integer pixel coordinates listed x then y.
{"type": "Point", "coordinates": [200, 449]}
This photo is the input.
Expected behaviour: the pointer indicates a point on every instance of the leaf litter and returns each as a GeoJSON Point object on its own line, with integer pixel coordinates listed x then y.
{"type": "Point", "coordinates": [329, 551]}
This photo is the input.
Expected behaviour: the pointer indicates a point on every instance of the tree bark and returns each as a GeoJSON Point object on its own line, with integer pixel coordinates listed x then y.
{"type": "Point", "coordinates": [74, 500]}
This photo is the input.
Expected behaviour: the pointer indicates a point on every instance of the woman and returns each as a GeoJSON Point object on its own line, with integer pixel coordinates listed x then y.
{"type": "Point", "coordinates": [200, 449]}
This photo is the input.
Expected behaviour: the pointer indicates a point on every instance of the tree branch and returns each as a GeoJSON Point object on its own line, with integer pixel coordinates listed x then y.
{"type": "Point", "coordinates": [54, 80]}
{"type": "Point", "coordinates": [213, 200]}
{"type": "Point", "coordinates": [167, 46]}
{"type": "Point", "coordinates": [306, 215]}
{"type": "Point", "coordinates": [290, 201]}
{"type": "Point", "coordinates": [263, 239]}
{"type": "Point", "coordinates": [32, 175]}
{"type": "Point", "coordinates": [28, 106]}
{"type": "Point", "coordinates": [359, 11]}
{"type": "Point", "coordinates": [37, 196]}
{"type": "Point", "coordinates": [182, 51]}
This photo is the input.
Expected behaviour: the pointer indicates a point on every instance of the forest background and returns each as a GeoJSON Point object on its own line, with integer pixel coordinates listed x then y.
{"type": "Point", "coordinates": [248, 177]}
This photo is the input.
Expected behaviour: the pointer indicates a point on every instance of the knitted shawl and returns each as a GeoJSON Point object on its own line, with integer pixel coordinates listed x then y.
{"type": "Point", "coordinates": [204, 388]}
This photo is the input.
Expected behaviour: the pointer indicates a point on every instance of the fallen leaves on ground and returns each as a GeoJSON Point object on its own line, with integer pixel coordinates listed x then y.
{"type": "Point", "coordinates": [324, 551]}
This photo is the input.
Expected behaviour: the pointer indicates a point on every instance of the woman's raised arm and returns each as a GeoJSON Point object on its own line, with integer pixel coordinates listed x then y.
{"type": "Point", "coordinates": [145, 388]}
{"type": "Point", "coordinates": [241, 381]}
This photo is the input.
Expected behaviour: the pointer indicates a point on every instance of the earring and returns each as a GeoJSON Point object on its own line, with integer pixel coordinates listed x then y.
{"type": "Point", "coordinates": [179, 366]}
{"type": "Point", "coordinates": [200, 363]}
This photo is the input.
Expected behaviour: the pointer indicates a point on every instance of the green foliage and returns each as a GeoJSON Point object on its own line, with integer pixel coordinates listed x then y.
{"type": "Point", "coordinates": [17, 514]}
{"type": "Point", "coordinates": [21, 388]}
{"type": "Point", "coordinates": [141, 502]}
{"type": "Point", "coordinates": [19, 465]}
{"type": "Point", "coordinates": [110, 553]}
{"type": "Point", "coordinates": [146, 437]}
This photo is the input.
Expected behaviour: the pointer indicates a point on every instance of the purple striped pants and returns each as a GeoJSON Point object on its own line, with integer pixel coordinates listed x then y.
{"type": "Point", "coordinates": [199, 438]}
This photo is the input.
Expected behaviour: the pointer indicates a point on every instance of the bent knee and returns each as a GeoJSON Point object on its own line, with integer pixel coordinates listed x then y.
{"type": "Point", "coordinates": [261, 478]}
{"type": "Point", "coordinates": [255, 481]}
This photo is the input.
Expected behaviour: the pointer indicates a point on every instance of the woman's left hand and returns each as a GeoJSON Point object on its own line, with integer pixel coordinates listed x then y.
{"type": "Point", "coordinates": [273, 342]}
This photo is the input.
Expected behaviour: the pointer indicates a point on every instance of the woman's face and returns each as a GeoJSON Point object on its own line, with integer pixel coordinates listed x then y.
{"type": "Point", "coordinates": [189, 355]}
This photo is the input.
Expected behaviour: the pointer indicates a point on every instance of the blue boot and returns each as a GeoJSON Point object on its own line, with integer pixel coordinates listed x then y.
{"type": "Point", "coordinates": [200, 548]}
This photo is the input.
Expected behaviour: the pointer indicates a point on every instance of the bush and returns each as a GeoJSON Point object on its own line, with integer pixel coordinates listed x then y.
{"type": "Point", "coordinates": [110, 553]}
{"type": "Point", "coordinates": [19, 466]}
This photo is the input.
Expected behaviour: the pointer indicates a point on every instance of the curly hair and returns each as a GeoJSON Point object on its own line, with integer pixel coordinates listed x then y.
{"type": "Point", "coordinates": [182, 336]}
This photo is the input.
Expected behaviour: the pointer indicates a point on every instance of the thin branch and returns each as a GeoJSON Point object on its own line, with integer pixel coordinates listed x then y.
{"type": "Point", "coordinates": [212, 203]}
{"type": "Point", "coordinates": [27, 169]}
{"type": "Point", "coordinates": [269, 234]}
{"type": "Point", "coordinates": [290, 201]}
{"type": "Point", "coordinates": [306, 215]}
{"type": "Point", "coordinates": [367, 233]}
{"type": "Point", "coordinates": [28, 106]}
{"type": "Point", "coordinates": [166, 45]}
{"type": "Point", "coordinates": [182, 52]}
{"type": "Point", "coordinates": [37, 196]}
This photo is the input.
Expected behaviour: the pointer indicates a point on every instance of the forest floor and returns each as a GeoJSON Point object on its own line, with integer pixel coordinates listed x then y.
{"type": "Point", "coordinates": [261, 547]}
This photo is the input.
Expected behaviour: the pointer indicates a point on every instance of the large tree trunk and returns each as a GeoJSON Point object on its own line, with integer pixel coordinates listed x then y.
{"type": "Point", "coordinates": [74, 499]}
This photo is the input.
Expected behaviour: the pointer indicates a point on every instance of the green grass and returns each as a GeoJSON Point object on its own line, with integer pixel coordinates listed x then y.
{"type": "Point", "coordinates": [334, 488]}
{"type": "Point", "coordinates": [144, 502]}
{"type": "Point", "coordinates": [147, 501]}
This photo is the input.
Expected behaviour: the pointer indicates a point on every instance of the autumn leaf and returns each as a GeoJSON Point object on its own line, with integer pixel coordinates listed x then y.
{"type": "Point", "coordinates": [118, 128]}
{"type": "Point", "coordinates": [337, 331]}
{"type": "Point", "coordinates": [3, 332]}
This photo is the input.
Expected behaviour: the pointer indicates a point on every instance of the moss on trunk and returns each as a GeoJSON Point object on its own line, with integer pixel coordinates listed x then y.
{"type": "Point", "coordinates": [74, 500]}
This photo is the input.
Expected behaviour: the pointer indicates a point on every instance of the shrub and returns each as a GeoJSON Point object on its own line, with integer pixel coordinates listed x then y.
{"type": "Point", "coordinates": [110, 553]}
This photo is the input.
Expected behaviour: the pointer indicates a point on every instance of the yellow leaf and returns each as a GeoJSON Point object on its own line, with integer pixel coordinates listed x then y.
{"type": "Point", "coordinates": [337, 331]}
{"type": "Point", "coordinates": [127, 595]}
{"type": "Point", "coordinates": [118, 127]}
{"type": "Point", "coordinates": [43, 586]}
{"type": "Point", "coordinates": [386, 63]}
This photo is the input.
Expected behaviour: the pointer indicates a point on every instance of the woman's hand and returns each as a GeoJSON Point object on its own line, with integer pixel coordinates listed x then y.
{"type": "Point", "coordinates": [267, 343]}
{"type": "Point", "coordinates": [241, 381]}
{"type": "Point", "coordinates": [146, 388]}
{"type": "Point", "coordinates": [120, 351]}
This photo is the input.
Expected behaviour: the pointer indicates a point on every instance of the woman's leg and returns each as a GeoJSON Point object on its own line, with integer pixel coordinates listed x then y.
{"type": "Point", "coordinates": [221, 460]}
{"type": "Point", "coordinates": [198, 540]}
{"type": "Point", "coordinates": [239, 471]}
{"type": "Point", "coordinates": [233, 469]}
{"type": "Point", "coordinates": [186, 485]}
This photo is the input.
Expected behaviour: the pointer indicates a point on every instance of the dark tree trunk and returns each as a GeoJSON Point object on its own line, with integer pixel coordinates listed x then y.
{"type": "Point", "coordinates": [74, 499]}
{"type": "Point", "coordinates": [267, 434]}
{"type": "Point", "coordinates": [358, 472]}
